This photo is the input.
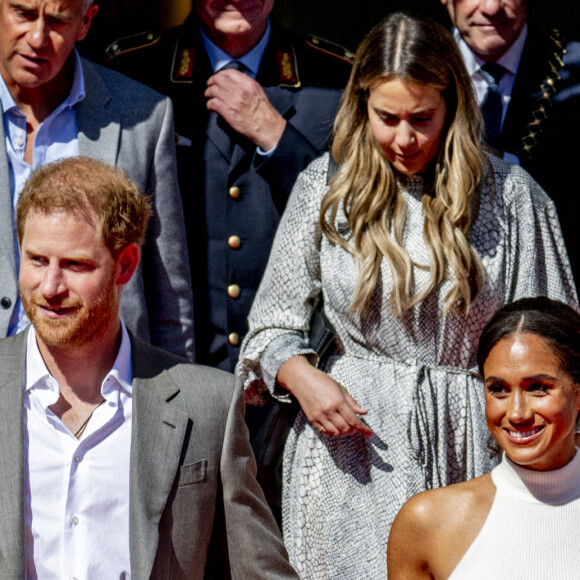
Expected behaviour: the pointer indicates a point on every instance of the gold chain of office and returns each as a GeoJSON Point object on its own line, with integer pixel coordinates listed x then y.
{"type": "Point", "coordinates": [548, 89]}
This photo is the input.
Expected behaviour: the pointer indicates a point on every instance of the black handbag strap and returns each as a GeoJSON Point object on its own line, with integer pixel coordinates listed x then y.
{"type": "Point", "coordinates": [322, 332]}
{"type": "Point", "coordinates": [332, 168]}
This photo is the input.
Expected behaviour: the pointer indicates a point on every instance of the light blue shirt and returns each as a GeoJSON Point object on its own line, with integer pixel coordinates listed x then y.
{"type": "Point", "coordinates": [56, 138]}
{"type": "Point", "coordinates": [251, 60]}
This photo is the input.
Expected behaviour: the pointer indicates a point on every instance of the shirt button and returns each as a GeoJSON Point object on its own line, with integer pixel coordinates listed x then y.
{"type": "Point", "coordinates": [235, 192]}
{"type": "Point", "coordinates": [234, 338]}
{"type": "Point", "coordinates": [18, 142]}
{"type": "Point", "coordinates": [77, 459]}
{"type": "Point", "coordinates": [234, 242]}
{"type": "Point", "coordinates": [233, 290]}
{"type": "Point", "coordinates": [74, 520]}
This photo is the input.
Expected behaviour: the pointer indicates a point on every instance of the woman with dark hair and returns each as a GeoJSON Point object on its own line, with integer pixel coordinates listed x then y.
{"type": "Point", "coordinates": [417, 240]}
{"type": "Point", "coordinates": [521, 520]}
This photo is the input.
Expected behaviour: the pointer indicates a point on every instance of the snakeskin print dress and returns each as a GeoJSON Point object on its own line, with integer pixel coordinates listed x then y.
{"type": "Point", "coordinates": [416, 376]}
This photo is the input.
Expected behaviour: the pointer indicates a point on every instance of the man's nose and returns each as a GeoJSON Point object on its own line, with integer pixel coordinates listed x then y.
{"type": "Point", "coordinates": [38, 35]}
{"type": "Point", "coordinates": [490, 7]}
{"type": "Point", "coordinates": [53, 282]}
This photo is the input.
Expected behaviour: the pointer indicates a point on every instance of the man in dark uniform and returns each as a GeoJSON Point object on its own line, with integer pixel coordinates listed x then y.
{"type": "Point", "coordinates": [535, 120]}
{"type": "Point", "coordinates": [242, 138]}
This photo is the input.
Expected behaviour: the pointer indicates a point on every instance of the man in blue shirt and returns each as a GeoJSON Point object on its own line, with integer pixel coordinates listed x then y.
{"type": "Point", "coordinates": [55, 105]}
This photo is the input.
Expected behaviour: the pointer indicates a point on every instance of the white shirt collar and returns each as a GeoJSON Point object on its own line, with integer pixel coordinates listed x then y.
{"type": "Point", "coordinates": [77, 92]}
{"type": "Point", "coordinates": [37, 375]}
{"type": "Point", "coordinates": [252, 59]}
{"type": "Point", "coordinates": [510, 60]}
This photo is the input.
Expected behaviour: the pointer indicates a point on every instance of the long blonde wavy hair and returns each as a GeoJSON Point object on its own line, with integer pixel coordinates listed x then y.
{"type": "Point", "coordinates": [418, 50]}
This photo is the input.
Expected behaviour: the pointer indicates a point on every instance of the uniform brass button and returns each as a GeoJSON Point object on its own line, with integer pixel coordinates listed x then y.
{"type": "Point", "coordinates": [233, 290]}
{"type": "Point", "coordinates": [235, 192]}
{"type": "Point", "coordinates": [234, 242]}
{"type": "Point", "coordinates": [5, 302]}
{"type": "Point", "coordinates": [234, 338]}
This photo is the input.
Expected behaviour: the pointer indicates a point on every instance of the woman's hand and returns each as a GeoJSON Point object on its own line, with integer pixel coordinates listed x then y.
{"type": "Point", "coordinates": [327, 404]}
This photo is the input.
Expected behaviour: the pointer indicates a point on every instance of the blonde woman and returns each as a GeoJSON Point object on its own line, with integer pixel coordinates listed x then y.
{"type": "Point", "coordinates": [419, 238]}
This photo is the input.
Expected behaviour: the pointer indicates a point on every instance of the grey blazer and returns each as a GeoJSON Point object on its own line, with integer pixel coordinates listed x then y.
{"type": "Point", "coordinates": [122, 122]}
{"type": "Point", "coordinates": [196, 510]}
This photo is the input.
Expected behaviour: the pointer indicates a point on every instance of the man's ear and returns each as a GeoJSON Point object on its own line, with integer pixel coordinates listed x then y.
{"type": "Point", "coordinates": [127, 262]}
{"type": "Point", "coordinates": [88, 16]}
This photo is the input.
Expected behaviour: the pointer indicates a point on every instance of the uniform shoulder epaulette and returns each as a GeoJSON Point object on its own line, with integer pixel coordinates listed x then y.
{"type": "Point", "coordinates": [130, 43]}
{"type": "Point", "coordinates": [329, 47]}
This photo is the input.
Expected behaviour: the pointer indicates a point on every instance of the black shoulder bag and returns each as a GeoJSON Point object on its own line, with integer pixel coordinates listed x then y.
{"type": "Point", "coordinates": [322, 332]}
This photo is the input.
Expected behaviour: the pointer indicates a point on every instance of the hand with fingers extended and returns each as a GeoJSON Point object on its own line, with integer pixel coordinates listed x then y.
{"type": "Point", "coordinates": [327, 404]}
{"type": "Point", "coordinates": [245, 107]}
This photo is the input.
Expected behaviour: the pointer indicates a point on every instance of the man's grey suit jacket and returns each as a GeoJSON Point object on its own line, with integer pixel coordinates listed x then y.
{"type": "Point", "coordinates": [196, 510]}
{"type": "Point", "coordinates": [124, 123]}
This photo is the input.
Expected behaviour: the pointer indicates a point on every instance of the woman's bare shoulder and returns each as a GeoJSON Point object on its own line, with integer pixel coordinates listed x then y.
{"type": "Point", "coordinates": [447, 503]}
{"type": "Point", "coordinates": [435, 528]}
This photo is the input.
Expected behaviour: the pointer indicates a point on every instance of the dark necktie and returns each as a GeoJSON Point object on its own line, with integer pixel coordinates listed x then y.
{"type": "Point", "coordinates": [492, 106]}
{"type": "Point", "coordinates": [217, 128]}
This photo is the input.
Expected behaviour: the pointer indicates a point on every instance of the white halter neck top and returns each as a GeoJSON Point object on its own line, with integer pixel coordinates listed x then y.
{"type": "Point", "coordinates": [532, 531]}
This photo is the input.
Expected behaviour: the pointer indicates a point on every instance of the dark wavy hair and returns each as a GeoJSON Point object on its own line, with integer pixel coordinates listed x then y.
{"type": "Point", "coordinates": [556, 323]}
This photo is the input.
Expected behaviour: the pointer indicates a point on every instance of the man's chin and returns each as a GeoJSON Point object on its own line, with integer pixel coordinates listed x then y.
{"type": "Point", "coordinates": [29, 79]}
{"type": "Point", "coordinates": [57, 333]}
{"type": "Point", "coordinates": [490, 46]}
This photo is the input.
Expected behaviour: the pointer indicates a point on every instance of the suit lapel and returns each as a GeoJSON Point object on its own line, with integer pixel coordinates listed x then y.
{"type": "Point", "coordinates": [99, 124]}
{"type": "Point", "coordinates": [217, 133]}
{"type": "Point", "coordinates": [12, 457]}
{"type": "Point", "coordinates": [7, 247]}
{"type": "Point", "coordinates": [157, 437]}
{"type": "Point", "coordinates": [530, 74]}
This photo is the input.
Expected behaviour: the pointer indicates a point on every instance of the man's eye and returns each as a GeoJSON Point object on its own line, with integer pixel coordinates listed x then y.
{"type": "Point", "coordinates": [24, 14]}
{"type": "Point", "coordinates": [55, 21]}
{"type": "Point", "coordinates": [78, 266]}
{"type": "Point", "coordinates": [37, 260]}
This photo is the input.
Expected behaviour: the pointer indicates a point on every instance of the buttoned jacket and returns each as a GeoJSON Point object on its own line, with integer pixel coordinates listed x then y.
{"type": "Point", "coordinates": [242, 195]}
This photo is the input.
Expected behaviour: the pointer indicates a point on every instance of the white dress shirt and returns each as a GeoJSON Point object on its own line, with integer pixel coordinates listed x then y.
{"type": "Point", "coordinates": [77, 490]}
{"type": "Point", "coordinates": [510, 60]}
